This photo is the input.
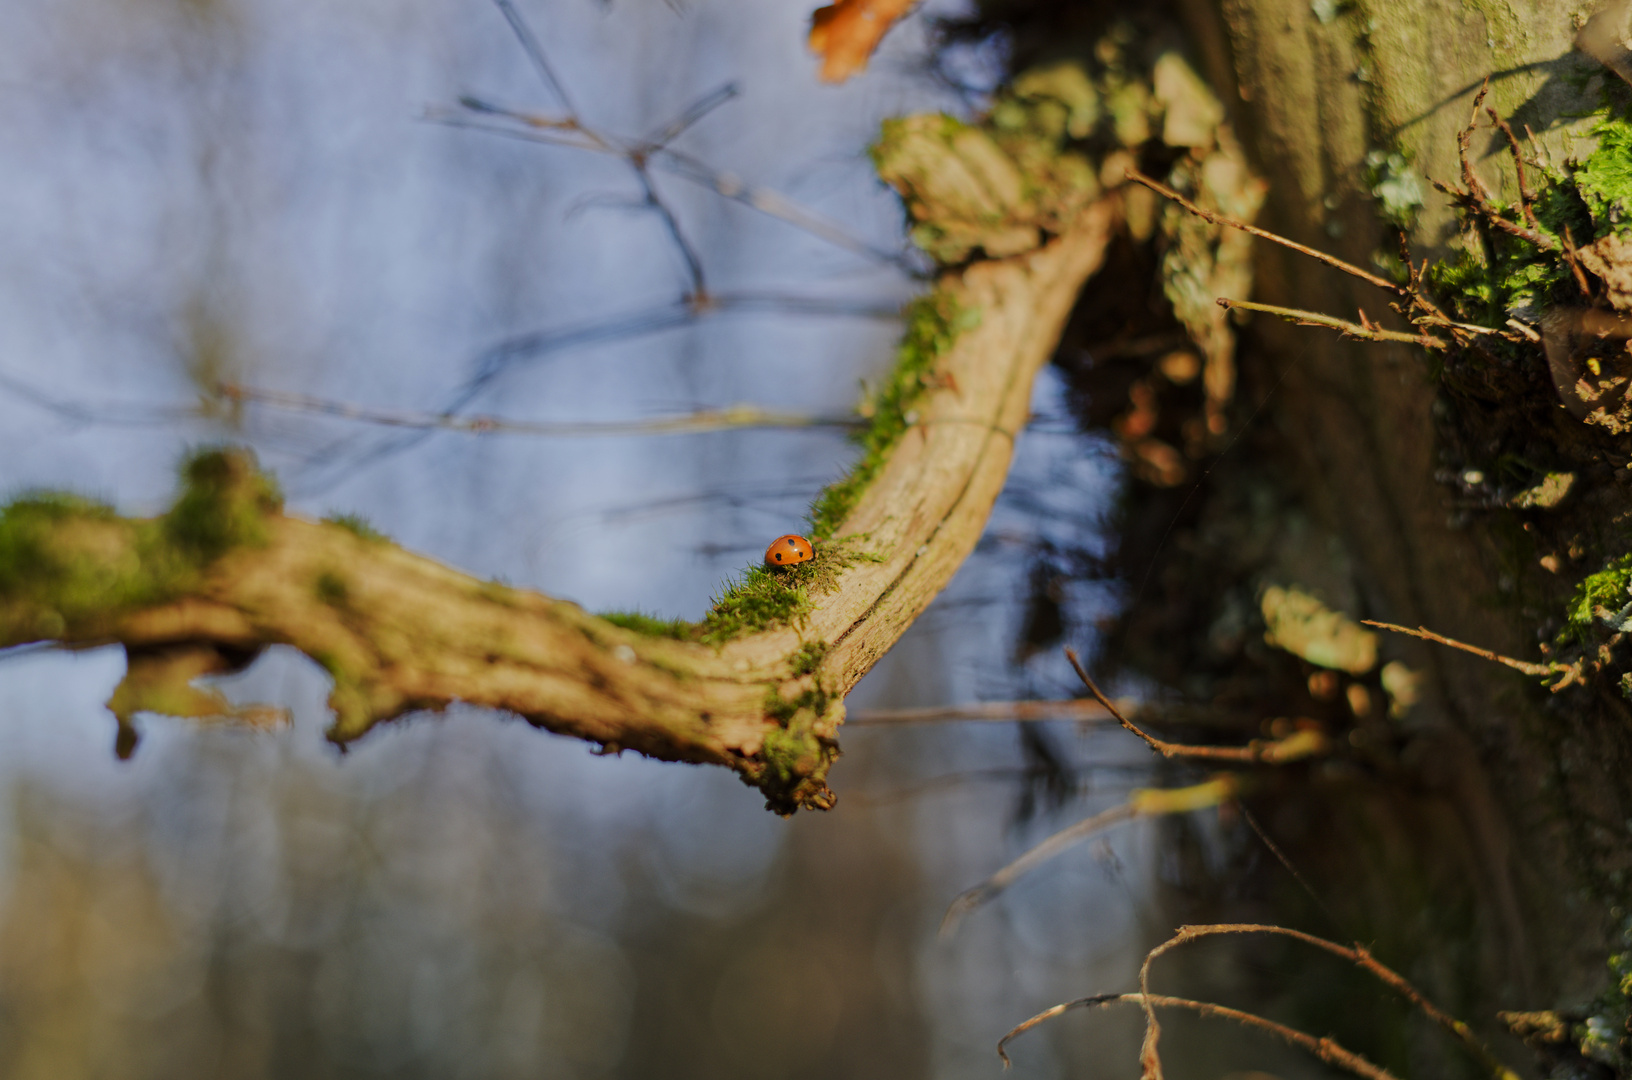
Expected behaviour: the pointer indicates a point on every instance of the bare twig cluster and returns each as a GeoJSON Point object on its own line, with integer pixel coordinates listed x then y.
{"type": "Point", "coordinates": [1326, 1049]}
{"type": "Point", "coordinates": [1304, 742]}
{"type": "Point", "coordinates": [645, 156]}
{"type": "Point", "coordinates": [1434, 329]}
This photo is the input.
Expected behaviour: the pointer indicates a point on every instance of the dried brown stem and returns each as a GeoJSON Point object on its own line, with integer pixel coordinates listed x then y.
{"type": "Point", "coordinates": [1428, 635]}
{"type": "Point", "coordinates": [1526, 196]}
{"type": "Point", "coordinates": [1326, 1049]}
{"type": "Point", "coordinates": [1294, 747]}
{"type": "Point", "coordinates": [1356, 954]}
{"type": "Point", "coordinates": [1573, 257]}
{"type": "Point", "coordinates": [1220, 219]}
{"type": "Point", "coordinates": [1478, 197]}
{"type": "Point", "coordinates": [1343, 326]}
{"type": "Point", "coordinates": [1481, 203]}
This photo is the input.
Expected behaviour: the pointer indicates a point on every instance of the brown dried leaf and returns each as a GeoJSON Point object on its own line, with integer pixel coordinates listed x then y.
{"type": "Point", "coordinates": [845, 34]}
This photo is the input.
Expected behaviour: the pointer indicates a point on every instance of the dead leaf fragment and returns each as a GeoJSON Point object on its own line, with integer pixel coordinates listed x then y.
{"type": "Point", "coordinates": [1610, 260]}
{"type": "Point", "coordinates": [845, 34]}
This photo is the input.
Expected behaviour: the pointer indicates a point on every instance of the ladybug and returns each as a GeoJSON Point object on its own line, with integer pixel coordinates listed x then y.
{"type": "Point", "coordinates": [788, 550]}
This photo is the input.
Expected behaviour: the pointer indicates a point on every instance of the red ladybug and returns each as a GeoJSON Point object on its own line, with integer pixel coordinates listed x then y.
{"type": "Point", "coordinates": [789, 549]}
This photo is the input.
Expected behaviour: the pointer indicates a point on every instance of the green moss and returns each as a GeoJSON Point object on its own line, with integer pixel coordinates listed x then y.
{"type": "Point", "coordinates": [934, 323]}
{"type": "Point", "coordinates": [65, 559]}
{"type": "Point", "coordinates": [1604, 178]}
{"type": "Point", "coordinates": [764, 597]}
{"type": "Point", "coordinates": [358, 526]}
{"type": "Point", "coordinates": [761, 599]}
{"type": "Point", "coordinates": [651, 626]}
{"type": "Point", "coordinates": [790, 756]}
{"type": "Point", "coordinates": [331, 589]}
{"type": "Point", "coordinates": [224, 503]}
{"type": "Point", "coordinates": [783, 710]}
{"type": "Point", "coordinates": [809, 657]}
{"type": "Point", "coordinates": [1606, 590]}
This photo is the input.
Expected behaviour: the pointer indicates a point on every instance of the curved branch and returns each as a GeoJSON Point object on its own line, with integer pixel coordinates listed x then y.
{"type": "Point", "coordinates": [226, 573]}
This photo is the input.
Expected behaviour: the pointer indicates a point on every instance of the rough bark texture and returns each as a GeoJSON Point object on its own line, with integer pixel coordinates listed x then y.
{"type": "Point", "coordinates": [1487, 791]}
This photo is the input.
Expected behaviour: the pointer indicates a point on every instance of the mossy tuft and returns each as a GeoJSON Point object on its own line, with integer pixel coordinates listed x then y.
{"type": "Point", "coordinates": [64, 558]}
{"type": "Point", "coordinates": [765, 597]}
{"type": "Point", "coordinates": [331, 588]}
{"type": "Point", "coordinates": [1604, 178]}
{"type": "Point", "coordinates": [790, 755]}
{"type": "Point", "coordinates": [809, 657]}
{"type": "Point", "coordinates": [358, 526]}
{"type": "Point", "coordinates": [761, 599]}
{"type": "Point", "coordinates": [1602, 595]}
{"type": "Point", "coordinates": [225, 500]}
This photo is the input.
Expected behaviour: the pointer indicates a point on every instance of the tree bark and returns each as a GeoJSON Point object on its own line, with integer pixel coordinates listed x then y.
{"type": "Point", "coordinates": [1355, 436]}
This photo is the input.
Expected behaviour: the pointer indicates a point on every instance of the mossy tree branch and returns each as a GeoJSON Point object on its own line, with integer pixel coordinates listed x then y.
{"type": "Point", "coordinates": [226, 573]}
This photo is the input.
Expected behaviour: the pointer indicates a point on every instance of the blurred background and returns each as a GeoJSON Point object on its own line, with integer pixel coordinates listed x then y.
{"type": "Point", "coordinates": [270, 195]}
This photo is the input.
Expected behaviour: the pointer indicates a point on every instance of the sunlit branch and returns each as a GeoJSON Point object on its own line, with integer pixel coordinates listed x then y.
{"type": "Point", "coordinates": [1343, 326]}
{"type": "Point", "coordinates": [1428, 635]}
{"type": "Point", "coordinates": [1264, 234]}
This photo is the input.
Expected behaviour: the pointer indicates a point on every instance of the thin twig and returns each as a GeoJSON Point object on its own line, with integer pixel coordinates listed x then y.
{"type": "Point", "coordinates": [1078, 709]}
{"type": "Point", "coordinates": [1343, 326]}
{"type": "Point", "coordinates": [535, 53]}
{"type": "Point", "coordinates": [690, 115]}
{"type": "Point", "coordinates": [970, 899]}
{"type": "Point", "coordinates": [1275, 849]}
{"type": "Point", "coordinates": [1326, 1049]}
{"type": "Point", "coordinates": [1486, 209]}
{"type": "Point", "coordinates": [1357, 954]}
{"type": "Point", "coordinates": [637, 157]}
{"type": "Point", "coordinates": [1526, 196]}
{"type": "Point", "coordinates": [1294, 747]}
{"type": "Point", "coordinates": [1141, 802]}
{"type": "Point", "coordinates": [1219, 219]}
{"type": "Point", "coordinates": [703, 420]}
{"type": "Point", "coordinates": [1464, 144]}
{"type": "Point", "coordinates": [568, 133]}
{"type": "Point", "coordinates": [1428, 635]}
{"type": "Point", "coordinates": [1573, 257]}
{"type": "Point", "coordinates": [1479, 198]}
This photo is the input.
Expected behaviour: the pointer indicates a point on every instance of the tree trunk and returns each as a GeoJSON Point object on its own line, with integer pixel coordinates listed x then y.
{"type": "Point", "coordinates": [1490, 816]}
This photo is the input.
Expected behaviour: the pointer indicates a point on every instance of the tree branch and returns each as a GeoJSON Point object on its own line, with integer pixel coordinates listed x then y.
{"type": "Point", "coordinates": [226, 572]}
